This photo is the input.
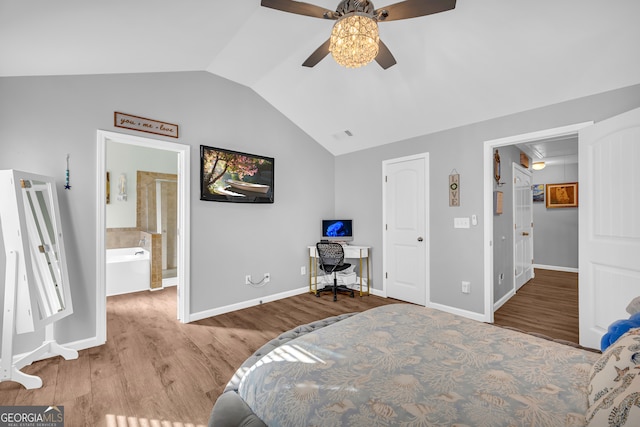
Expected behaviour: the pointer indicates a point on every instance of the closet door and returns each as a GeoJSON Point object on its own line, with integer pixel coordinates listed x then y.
{"type": "Point", "coordinates": [406, 240]}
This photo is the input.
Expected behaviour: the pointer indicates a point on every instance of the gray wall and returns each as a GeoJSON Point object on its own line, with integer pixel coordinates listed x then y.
{"type": "Point", "coordinates": [555, 232]}
{"type": "Point", "coordinates": [44, 118]}
{"type": "Point", "coordinates": [503, 224]}
{"type": "Point", "coordinates": [129, 159]}
{"type": "Point", "coordinates": [456, 255]}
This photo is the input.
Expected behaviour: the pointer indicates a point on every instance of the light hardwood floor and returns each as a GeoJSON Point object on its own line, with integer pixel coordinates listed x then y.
{"type": "Point", "coordinates": [154, 368]}
{"type": "Point", "coordinates": [547, 304]}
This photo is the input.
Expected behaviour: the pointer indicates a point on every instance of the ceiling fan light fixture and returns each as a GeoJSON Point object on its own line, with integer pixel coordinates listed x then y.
{"type": "Point", "coordinates": [354, 40]}
{"type": "Point", "coordinates": [538, 166]}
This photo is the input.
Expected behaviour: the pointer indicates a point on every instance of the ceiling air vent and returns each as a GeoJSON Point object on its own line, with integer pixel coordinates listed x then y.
{"type": "Point", "coordinates": [342, 135]}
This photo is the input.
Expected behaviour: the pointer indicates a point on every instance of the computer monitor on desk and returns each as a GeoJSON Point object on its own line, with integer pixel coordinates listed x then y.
{"type": "Point", "coordinates": [337, 230]}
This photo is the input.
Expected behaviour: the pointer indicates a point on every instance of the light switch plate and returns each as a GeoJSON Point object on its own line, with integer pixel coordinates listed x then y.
{"type": "Point", "coordinates": [466, 287]}
{"type": "Point", "coordinates": [461, 222]}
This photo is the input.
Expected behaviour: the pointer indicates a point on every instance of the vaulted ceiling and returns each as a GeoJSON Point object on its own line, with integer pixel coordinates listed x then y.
{"type": "Point", "coordinates": [484, 59]}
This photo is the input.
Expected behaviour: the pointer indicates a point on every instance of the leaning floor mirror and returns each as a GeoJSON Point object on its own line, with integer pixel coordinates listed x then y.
{"type": "Point", "coordinates": [36, 286]}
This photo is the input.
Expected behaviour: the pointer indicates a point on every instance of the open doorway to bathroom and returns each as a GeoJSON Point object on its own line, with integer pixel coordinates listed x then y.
{"type": "Point", "coordinates": [143, 204]}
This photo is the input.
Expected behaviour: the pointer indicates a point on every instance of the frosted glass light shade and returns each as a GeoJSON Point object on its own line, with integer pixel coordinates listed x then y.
{"type": "Point", "coordinates": [538, 166]}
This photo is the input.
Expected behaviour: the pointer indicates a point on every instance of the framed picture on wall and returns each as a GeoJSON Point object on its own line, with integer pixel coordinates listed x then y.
{"type": "Point", "coordinates": [538, 192]}
{"type": "Point", "coordinates": [562, 195]}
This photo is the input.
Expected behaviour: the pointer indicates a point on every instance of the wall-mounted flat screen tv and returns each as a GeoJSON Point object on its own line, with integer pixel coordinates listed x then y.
{"type": "Point", "coordinates": [232, 176]}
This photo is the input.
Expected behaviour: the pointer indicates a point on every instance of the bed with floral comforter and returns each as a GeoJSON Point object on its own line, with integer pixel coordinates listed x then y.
{"type": "Point", "coordinates": [405, 365]}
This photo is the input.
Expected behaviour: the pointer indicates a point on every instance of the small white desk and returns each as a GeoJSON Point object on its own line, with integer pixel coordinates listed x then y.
{"type": "Point", "coordinates": [350, 252]}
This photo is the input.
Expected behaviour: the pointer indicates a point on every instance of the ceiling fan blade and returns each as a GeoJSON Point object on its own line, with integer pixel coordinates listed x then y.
{"type": "Point", "coordinates": [413, 9]}
{"type": "Point", "coordinates": [299, 8]}
{"type": "Point", "coordinates": [384, 57]}
{"type": "Point", "coordinates": [318, 55]}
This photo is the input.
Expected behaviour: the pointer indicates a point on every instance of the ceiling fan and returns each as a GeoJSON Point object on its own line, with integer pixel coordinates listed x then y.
{"type": "Point", "coordinates": [354, 39]}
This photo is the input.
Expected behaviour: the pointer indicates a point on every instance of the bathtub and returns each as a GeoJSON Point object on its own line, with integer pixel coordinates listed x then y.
{"type": "Point", "coordinates": [128, 270]}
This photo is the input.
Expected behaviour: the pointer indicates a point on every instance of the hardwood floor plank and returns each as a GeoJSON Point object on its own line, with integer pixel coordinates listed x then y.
{"type": "Point", "coordinates": [137, 368]}
{"type": "Point", "coordinates": [185, 383]}
{"type": "Point", "coordinates": [49, 369]}
{"type": "Point", "coordinates": [72, 380]}
{"type": "Point", "coordinates": [108, 386]}
{"type": "Point", "coordinates": [77, 411]}
{"type": "Point", "coordinates": [547, 304]}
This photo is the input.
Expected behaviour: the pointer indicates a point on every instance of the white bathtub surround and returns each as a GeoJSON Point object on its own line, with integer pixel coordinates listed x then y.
{"type": "Point", "coordinates": [128, 270]}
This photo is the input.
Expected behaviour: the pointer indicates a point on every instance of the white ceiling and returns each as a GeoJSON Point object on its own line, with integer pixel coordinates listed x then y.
{"type": "Point", "coordinates": [484, 59]}
{"type": "Point", "coordinates": [562, 150]}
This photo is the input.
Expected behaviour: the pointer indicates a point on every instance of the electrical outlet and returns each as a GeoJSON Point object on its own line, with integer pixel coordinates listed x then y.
{"type": "Point", "coordinates": [466, 287]}
{"type": "Point", "coordinates": [303, 270]}
{"type": "Point", "coordinates": [247, 279]}
{"type": "Point", "coordinates": [267, 277]}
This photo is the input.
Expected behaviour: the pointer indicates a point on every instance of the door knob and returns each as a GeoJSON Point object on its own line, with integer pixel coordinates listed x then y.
{"type": "Point", "coordinates": [524, 233]}
{"type": "Point", "coordinates": [420, 239]}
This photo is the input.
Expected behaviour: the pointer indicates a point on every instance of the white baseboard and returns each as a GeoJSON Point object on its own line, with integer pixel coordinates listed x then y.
{"type": "Point", "coordinates": [244, 304]}
{"type": "Point", "coordinates": [377, 293]}
{"type": "Point", "coordinates": [84, 344]}
{"type": "Point", "coordinates": [503, 300]}
{"type": "Point", "coordinates": [73, 345]}
{"type": "Point", "coordinates": [257, 301]}
{"type": "Point", "coordinates": [464, 313]}
{"type": "Point", "coordinates": [556, 268]}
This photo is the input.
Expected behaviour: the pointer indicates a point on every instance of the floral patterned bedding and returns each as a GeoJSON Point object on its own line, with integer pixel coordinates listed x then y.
{"type": "Point", "coordinates": [405, 365]}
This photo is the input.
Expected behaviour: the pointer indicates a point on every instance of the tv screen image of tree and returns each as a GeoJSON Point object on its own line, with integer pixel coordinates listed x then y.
{"type": "Point", "coordinates": [232, 176]}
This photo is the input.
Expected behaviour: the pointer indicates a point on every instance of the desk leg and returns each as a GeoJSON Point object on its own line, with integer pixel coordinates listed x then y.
{"type": "Point", "coordinates": [313, 272]}
{"type": "Point", "coordinates": [360, 271]}
{"type": "Point", "coordinates": [368, 278]}
{"type": "Point", "coordinates": [310, 273]}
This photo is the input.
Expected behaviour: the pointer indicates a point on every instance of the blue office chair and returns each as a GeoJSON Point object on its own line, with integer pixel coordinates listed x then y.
{"type": "Point", "coordinates": [331, 257]}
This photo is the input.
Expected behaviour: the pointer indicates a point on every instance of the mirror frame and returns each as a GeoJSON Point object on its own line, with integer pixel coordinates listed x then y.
{"type": "Point", "coordinates": [22, 234]}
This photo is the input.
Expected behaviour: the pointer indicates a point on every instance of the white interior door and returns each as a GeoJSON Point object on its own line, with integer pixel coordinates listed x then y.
{"type": "Point", "coordinates": [406, 244]}
{"type": "Point", "coordinates": [609, 197]}
{"type": "Point", "coordinates": [522, 226]}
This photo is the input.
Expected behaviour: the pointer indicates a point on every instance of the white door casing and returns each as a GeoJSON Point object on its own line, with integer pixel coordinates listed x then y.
{"type": "Point", "coordinates": [522, 226]}
{"type": "Point", "coordinates": [609, 223]}
{"type": "Point", "coordinates": [405, 228]}
{"type": "Point", "coordinates": [184, 185]}
{"type": "Point", "coordinates": [488, 180]}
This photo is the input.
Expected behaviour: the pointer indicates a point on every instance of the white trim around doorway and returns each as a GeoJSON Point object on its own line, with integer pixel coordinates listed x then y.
{"type": "Point", "coordinates": [488, 148]}
{"type": "Point", "coordinates": [183, 151]}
